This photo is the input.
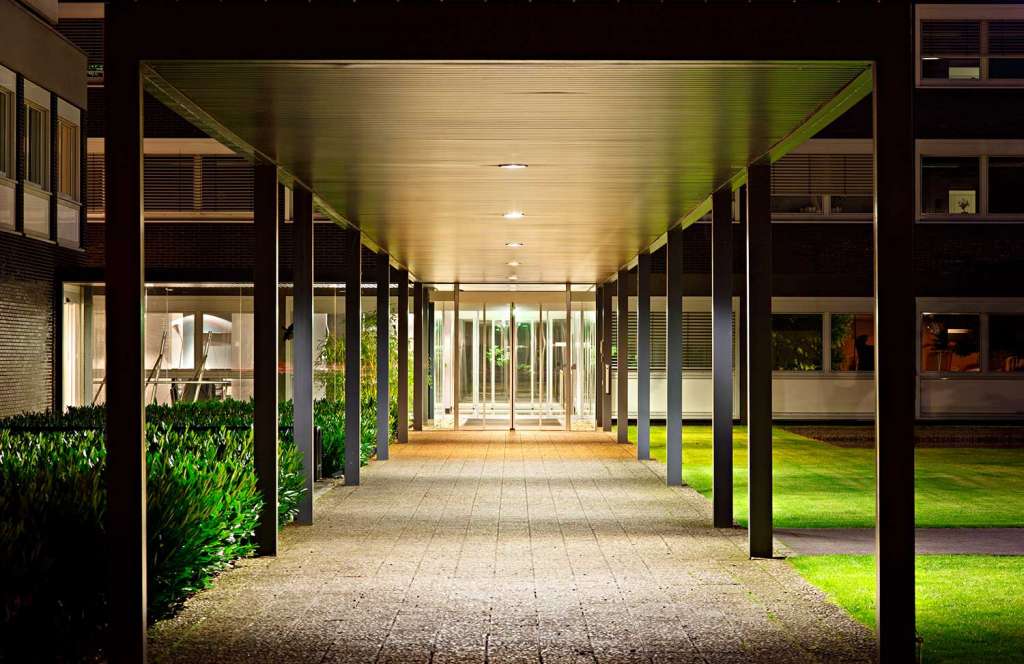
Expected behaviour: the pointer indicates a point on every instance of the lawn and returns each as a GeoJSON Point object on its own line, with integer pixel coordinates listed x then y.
{"type": "Point", "coordinates": [818, 485]}
{"type": "Point", "coordinates": [969, 608]}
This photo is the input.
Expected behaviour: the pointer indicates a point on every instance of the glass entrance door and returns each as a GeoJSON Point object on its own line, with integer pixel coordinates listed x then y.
{"type": "Point", "coordinates": [518, 361]}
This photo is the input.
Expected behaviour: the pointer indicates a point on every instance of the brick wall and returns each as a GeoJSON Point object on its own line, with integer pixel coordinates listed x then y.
{"type": "Point", "coordinates": [27, 282]}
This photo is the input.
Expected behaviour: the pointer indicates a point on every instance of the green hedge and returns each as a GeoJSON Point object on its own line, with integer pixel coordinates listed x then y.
{"type": "Point", "coordinates": [202, 509]}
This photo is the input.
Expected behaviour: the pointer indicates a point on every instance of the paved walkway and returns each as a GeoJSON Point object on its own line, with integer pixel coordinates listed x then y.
{"type": "Point", "coordinates": [496, 547]}
{"type": "Point", "coordinates": [985, 541]}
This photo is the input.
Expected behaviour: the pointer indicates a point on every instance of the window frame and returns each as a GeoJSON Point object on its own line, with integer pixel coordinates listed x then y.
{"type": "Point", "coordinates": [830, 147]}
{"type": "Point", "coordinates": [75, 142]}
{"type": "Point", "coordinates": [44, 186]}
{"type": "Point", "coordinates": [7, 132]}
{"type": "Point", "coordinates": [982, 150]}
{"type": "Point", "coordinates": [984, 15]}
{"type": "Point", "coordinates": [984, 308]}
{"type": "Point", "coordinates": [825, 334]}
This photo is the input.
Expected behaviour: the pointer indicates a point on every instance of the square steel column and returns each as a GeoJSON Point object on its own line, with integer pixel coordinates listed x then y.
{"type": "Point", "coordinates": [606, 358]}
{"type": "Point", "coordinates": [265, 337]}
{"type": "Point", "coordinates": [383, 354]}
{"type": "Point", "coordinates": [599, 378]}
{"type": "Point", "coordinates": [895, 349]}
{"type": "Point", "coordinates": [721, 356]}
{"type": "Point", "coordinates": [353, 353]}
{"type": "Point", "coordinates": [759, 360]}
{"type": "Point", "coordinates": [643, 356]}
{"type": "Point", "coordinates": [622, 361]}
{"type": "Point", "coordinates": [302, 344]}
{"type": "Point", "coordinates": [741, 323]}
{"type": "Point", "coordinates": [674, 358]}
{"type": "Point", "coordinates": [125, 339]}
{"type": "Point", "coordinates": [403, 355]}
{"type": "Point", "coordinates": [418, 353]}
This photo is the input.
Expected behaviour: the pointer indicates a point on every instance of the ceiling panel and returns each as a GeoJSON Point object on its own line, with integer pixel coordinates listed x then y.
{"type": "Point", "coordinates": [407, 151]}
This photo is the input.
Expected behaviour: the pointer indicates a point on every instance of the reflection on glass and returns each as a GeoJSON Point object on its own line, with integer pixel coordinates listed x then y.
{"type": "Point", "coordinates": [950, 343]}
{"type": "Point", "coordinates": [1006, 343]}
{"type": "Point", "coordinates": [842, 204]}
{"type": "Point", "coordinates": [853, 342]}
{"type": "Point", "coordinates": [796, 342]}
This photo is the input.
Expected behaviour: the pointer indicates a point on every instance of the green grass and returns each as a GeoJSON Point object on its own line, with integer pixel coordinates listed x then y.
{"type": "Point", "coordinates": [969, 608]}
{"type": "Point", "coordinates": [817, 485]}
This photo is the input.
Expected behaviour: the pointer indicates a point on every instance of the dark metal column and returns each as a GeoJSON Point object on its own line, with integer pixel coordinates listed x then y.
{"type": "Point", "coordinates": [383, 355]}
{"type": "Point", "coordinates": [721, 356]}
{"type": "Point", "coordinates": [403, 356]}
{"type": "Point", "coordinates": [895, 350]}
{"type": "Point", "coordinates": [643, 356]}
{"type": "Point", "coordinates": [20, 157]}
{"type": "Point", "coordinates": [674, 358]}
{"type": "Point", "coordinates": [599, 379]}
{"type": "Point", "coordinates": [622, 358]}
{"type": "Point", "coordinates": [265, 322]}
{"type": "Point", "coordinates": [417, 356]}
{"type": "Point", "coordinates": [759, 359]}
{"type": "Point", "coordinates": [126, 318]}
{"type": "Point", "coordinates": [302, 344]}
{"type": "Point", "coordinates": [431, 388]}
{"type": "Point", "coordinates": [741, 315]}
{"type": "Point", "coordinates": [606, 358]}
{"type": "Point", "coordinates": [54, 164]}
{"type": "Point", "coordinates": [353, 352]}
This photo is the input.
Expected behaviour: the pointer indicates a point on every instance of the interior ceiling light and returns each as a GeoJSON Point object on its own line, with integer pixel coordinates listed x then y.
{"type": "Point", "coordinates": [513, 166]}
{"type": "Point", "coordinates": [514, 214]}
{"type": "Point", "coordinates": [512, 263]}
{"type": "Point", "coordinates": [512, 277]}
{"type": "Point", "coordinates": [514, 245]}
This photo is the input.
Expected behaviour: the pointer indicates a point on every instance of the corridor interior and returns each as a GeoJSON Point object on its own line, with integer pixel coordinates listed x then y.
{"type": "Point", "coordinates": [498, 546]}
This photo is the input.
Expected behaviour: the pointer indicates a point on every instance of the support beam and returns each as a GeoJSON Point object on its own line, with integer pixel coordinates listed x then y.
{"type": "Point", "coordinates": [599, 379]}
{"type": "Point", "coordinates": [674, 358]}
{"type": "Point", "coordinates": [353, 352]}
{"type": "Point", "coordinates": [643, 356]}
{"type": "Point", "coordinates": [125, 338]}
{"type": "Point", "coordinates": [383, 355]}
{"type": "Point", "coordinates": [721, 356]}
{"type": "Point", "coordinates": [265, 336]}
{"type": "Point", "coordinates": [759, 360]}
{"type": "Point", "coordinates": [895, 349]}
{"type": "Point", "coordinates": [403, 356]}
{"type": "Point", "coordinates": [302, 343]}
{"type": "Point", "coordinates": [622, 358]}
{"type": "Point", "coordinates": [418, 355]}
{"type": "Point", "coordinates": [606, 358]}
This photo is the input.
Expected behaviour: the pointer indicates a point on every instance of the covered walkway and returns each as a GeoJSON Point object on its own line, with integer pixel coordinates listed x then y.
{"type": "Point", "coordinates": [499, 547]}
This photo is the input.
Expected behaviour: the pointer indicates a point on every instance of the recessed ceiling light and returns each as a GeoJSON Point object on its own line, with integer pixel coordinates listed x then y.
{"type": "Point", "coordinates": [514, 214]}
{"type": "Point", "coordinates": [513, 166]}
{"type": "Point", "coordinates": [930, 57]}
{"type": "Point", "coordinates": [512, 263]}
{"type": "Point", "coordinates": [512, 277]}
{"type": "Point", "coordinates": [514, 245]}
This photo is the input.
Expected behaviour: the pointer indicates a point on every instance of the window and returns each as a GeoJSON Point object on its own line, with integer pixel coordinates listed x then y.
{"type": "Point", "coordinates": [970, 45]}
{"type": "Point", "coordinates": [37, 151]}
{"type": "Point", "coordinates": [1006, 185]}
{"type": "Point", "coordinates": [1005, 49]}
{"type": "Point", "coordinates": [949, 185]}
{"type": "Point", "coordinates": [853, 342]}
{"type": "Point", "coordinates": [951, 50]}
{"type": "Point", "coordinates": [796, 342]}
{"type": "Point", "coordinates": [1006, 343]}
{"type": "Point", "coordinates": [68, 160]}
{"type": "Point", "coordinates": [6, 133]}
{"type": "Point", "coordinates": [950, 343]}
{"type": "Point", "coordinates": [797, 204]}
{"type": "Point", "coordinates": [859, 205]}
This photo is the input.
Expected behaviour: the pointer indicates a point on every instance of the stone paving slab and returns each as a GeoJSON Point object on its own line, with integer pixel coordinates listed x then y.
{"type": "Point", "coordinates": [982, 541]}
{"type": "Point", "coordinates": [501, 547]}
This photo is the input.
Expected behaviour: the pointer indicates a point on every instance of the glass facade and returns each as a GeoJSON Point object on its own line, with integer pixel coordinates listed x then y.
{"type": "Point", "coordinates": [949, 185]}
{"type": "Point", "coordinates": [797, 342]}
{"type": "Point", "coordinates": [950, 343]}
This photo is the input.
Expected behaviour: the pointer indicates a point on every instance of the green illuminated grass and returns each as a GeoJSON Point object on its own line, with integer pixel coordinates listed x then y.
{"type": "Point", "coordinates": [822, 486]}
{"type": "Point", "coordinates": [969, 608]}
